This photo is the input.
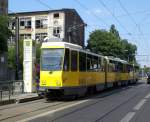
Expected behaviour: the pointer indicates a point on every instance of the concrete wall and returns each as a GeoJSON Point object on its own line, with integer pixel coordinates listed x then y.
{"type": "Point", "coordinates": [56, 22]}
{"type": "Point", "coordinates": [67, 19]}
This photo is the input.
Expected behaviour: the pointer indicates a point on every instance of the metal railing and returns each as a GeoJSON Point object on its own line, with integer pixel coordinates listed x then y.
{"type": "Point", "coordinates": [10, 88]}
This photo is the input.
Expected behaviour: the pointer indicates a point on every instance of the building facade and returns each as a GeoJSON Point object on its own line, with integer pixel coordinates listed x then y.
{"type": "Point", "coordinates": [3, 7]}
{"type": "Point", "coordinates": [54, 25]}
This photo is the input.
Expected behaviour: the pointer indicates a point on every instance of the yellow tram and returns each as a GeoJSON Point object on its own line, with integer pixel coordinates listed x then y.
{"type": "Point", "coordinates": [67, 69]}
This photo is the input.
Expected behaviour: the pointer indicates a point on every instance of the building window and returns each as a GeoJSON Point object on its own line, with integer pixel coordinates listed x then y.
{"type": "Point", "coordinates": [12, 25]}
{"type": "Point", "coordinates": [22, 23]}
{"type": "Point", "coordinates": [56, 31]}
{"type": "Point", "coordinates": [40, 36]}
{"type": "Point", "coordinates": [25, 23]}
{"type": "Point", "coordinates": [25, 36]}
{"type": "Point", "coordinates": [56, 15]}
{"type": "Point", "coordinates": [41, 23]}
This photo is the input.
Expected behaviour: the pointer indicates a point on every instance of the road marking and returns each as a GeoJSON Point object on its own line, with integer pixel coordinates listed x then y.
{"type": "Point", "coordinates": [147, 96]}
{"type": "Point", "coordinates": [52, 112]}
{"type": "Point", "coordinates": [128, 117]}
{"type": "Point", "coordinates": [140, 104]}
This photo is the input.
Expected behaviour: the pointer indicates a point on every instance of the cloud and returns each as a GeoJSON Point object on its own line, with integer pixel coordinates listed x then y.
{"type": "Point", "coordinates": [97, 12]}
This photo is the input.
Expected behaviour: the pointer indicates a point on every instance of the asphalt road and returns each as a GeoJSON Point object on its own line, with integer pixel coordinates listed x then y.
{"type": "Point", "coordinates": [124, 104]}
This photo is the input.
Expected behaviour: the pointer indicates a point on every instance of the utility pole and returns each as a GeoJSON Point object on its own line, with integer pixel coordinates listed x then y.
{"type": "Point", "coordinates": [17, 46]}
{"type": "Point", "coordinates": [70, 30]}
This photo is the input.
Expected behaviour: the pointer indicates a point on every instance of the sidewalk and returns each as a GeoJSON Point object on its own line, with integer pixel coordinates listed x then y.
{"type": "Point", "coordinates": [19, 98]}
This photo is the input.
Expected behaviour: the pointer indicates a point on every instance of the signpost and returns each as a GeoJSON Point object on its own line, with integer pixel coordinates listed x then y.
{"type": "Point", "coordinates": [29, 66]}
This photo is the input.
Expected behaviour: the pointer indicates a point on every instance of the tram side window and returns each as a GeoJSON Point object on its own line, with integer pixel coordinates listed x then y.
{"type": "Point", "coordinates": [120, 67]}
{"type": "Point", "coordinates": [89, 62]}
{"type": "Point", "coordinates": [112, 66]}
{"type": "Point", "coordinates": [82, 61]}
{"type": "Point", "coordinates": [130, 68]}
{"type": "Point", "coordinates": [99, 64]}
{"type": "Point", "coordinates": [102, 64]}
{"type": "Point", "coordinates": [95, 63]}
{"type": "Point", "coordinates": [74, 62]}
{"type": "Point", "coordinates": [66, 60]}
{"type": "Point", "coordinates": [125, 68]}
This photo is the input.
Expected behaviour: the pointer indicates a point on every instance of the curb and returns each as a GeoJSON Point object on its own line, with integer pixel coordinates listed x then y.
{"type": "Point", "coordinates": [22, 100]}
{"type": "Point", "coordinates": [27, 99]}
{"type": "Point", "coordinates": [6, 102]}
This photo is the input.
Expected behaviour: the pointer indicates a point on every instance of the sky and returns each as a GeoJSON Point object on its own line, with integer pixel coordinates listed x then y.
{"type": "Point", "coordinates": [131, 18]}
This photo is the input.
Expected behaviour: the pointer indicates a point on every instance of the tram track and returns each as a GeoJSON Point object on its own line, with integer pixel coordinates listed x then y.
{"type": "Point", "coordinates": [15, 105]}
{"type": "Point", "coordinates": [100, 100]}
{"type": "Point", "coordinates": [54, 104]}
{"type": "Point", "coordinates": [32, 111]}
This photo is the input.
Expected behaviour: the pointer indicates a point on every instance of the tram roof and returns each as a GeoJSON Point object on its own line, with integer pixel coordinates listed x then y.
{"type": "Point", "coordinates": [68, 45]}
{"type": "Point", "coordinates": [62, 44]}
{"type": "Point", "coordinates": [117, 59]}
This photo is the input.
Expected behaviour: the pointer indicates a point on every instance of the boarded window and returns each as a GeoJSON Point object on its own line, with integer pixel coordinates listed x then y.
{"type": "Point", "coordinates": [56, 15]}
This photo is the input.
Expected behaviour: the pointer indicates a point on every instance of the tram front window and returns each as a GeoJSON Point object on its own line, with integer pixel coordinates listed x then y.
{"type": "Point", "coordinates": [52, 59]}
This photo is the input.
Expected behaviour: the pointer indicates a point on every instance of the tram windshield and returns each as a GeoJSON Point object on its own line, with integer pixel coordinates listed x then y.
{"type": "Point", "coordinates": [52, 59]}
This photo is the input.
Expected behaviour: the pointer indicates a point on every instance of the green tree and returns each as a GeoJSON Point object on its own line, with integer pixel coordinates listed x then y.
{"type": "Point", "coordinates": [114, 31]}
{"type": "Point", "coordinates": [12, 55]}
{"type": "Point", "coordinates": [4, 33]}
{"type": "Point", "coordinates": [129, 50]}
{"type": "Point", "coordinates": [109, 43]}
{"type": "Point", "coordinates": [102, 41]}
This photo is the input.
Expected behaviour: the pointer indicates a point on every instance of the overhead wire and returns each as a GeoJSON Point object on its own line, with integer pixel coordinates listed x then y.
{"type": "Point", "coordinates": [103, 4]}
{"type": "Point", "coordinates": [117, 20]}
{"type": "Point", "coordinates": [134, 13]}
{"type": "Point", "coordinates": [44, 4]}
{"type": "Point", "coordinates": [92, 13]}
{"type": "Point", "coordinates": [133, 20]}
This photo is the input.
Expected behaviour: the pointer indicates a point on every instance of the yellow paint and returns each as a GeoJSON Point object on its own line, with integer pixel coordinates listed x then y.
{"type": "Point", "coordinates": [51, 78]}
{"type": "Point", "coordinates": [111, 76]}
{"type": "Point", "coordinates": [124, 76]}
{"type": "Point", "coordinates": [69, 78]}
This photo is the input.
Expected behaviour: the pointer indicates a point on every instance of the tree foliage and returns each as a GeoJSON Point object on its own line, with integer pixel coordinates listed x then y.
{"type": "Point", "coordinates": [12, 55]}
{"type": "Point", "coordinates": [4, 33]}
{"type": "Point", "coordinates": [109, 43]}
